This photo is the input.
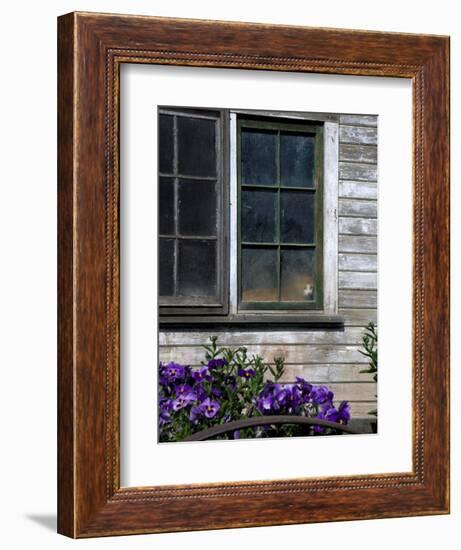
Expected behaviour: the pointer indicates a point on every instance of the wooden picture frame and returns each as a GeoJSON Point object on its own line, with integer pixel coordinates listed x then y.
{"type": "Point", "coordinates": [91, 49]}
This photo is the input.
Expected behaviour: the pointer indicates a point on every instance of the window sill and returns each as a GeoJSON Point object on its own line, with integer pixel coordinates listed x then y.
{"type": "Point", "coordinates": [252, 321]}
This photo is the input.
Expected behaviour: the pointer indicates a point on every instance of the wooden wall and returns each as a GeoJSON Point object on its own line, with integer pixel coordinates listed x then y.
{"type": "Point", "coordinates": [329, 357]}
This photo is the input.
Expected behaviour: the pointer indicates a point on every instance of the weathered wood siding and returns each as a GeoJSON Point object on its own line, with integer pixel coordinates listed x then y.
{"type": "Point", "coordinates": [329, 357]}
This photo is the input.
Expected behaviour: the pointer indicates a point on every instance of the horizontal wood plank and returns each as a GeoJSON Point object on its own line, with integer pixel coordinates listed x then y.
{"type": "Point", "coordinates": [358, 317]}
{"type": "Point", "coordinates": [361, 409]}
{"type": "Point", "coordinates": [357, 189]}
{"type": "Point", "coordinates": [352, 243]}
{"type": "Point", "coordinates": [358, 298]}
{"type": "Point", "coordinates": [358, 135]}
{"type": "Point", "coordinates": [359, 120]}
{"type": "Point", "coordinates": [358, 208]}
{"type": "Point", "coordinates": [328, 373]}
{"type": "Point", "coordinates": [358, 262]}
{"type": "Point", "coordinates": [226, 338]}
{"type": "Point", "coordinates": [358, 153]}
{"type": "Point", "coordinates": [358, 226]}
{"type": "Point", "coordinates": [358, 172]}
{"type": "Point", "coordinates": [308, 354]}
{"type": "Point", "coordinates": [358, 280]}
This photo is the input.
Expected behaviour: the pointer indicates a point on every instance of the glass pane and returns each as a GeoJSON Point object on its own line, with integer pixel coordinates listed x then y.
{"type": "Point", "coordinates": [297, 160]}
{"type": "Point", "coordinates": [297, 274]}
{"type": "Point", "coordinates": [196, 146]}
{"type": "Point", "coordinates": [297, 217]}
{"type": "Point", "coordinates": [165, 267]}
{"type": "Point", "coordinates": [259, 274]}
{"type": "Point", "coordinates": [197, 207]}
{"type": "Point", "coordinates": [258, 157]}
{"type": "Point", "coordinates": [166, 206]}
{"type": "Point", "coordinates": [165, 144]}
{"type": "Point", "coordinates": [258, 215]}
{"type": "Point", "coordinates": [196, 268]}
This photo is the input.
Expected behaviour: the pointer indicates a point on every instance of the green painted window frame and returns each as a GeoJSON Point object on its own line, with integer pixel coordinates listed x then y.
{"type": "Point", "coordinates": [315, 129]}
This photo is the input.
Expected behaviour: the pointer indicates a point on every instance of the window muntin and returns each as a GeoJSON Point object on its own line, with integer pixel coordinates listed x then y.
{"type": "Point", "coordinates": [191, 218]}
{"type": "Point", "coordinates": [280, 221]}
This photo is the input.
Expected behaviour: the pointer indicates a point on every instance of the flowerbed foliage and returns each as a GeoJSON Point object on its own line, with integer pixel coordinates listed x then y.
{"type": "Point", "coordinates": [370, 350]}
{"type": "Point", "coordinates": [231, 385]}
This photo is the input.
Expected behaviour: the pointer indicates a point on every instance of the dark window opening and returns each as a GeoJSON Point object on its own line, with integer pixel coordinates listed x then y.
{"type": "Point", "coordinates": [280, 215]}
{"type": "Point", "coordinates": [191, 194]}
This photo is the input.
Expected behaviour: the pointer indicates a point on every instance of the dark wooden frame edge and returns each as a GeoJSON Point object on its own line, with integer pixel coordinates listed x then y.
{"type": "Point", "coordinates": [90, 499]}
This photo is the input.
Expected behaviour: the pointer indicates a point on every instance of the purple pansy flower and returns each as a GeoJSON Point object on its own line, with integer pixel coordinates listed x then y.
{"type": "Point", "coordinates": [216, 392]}
{"type": "Point", "coordinates": [294, 399]}
{"type": "Point", "coordinates": [331, 414]}
{"type": "Point", "coordinates": [216, 363]}
{"type": "Point", "coordinates": [184, 400]}
{"type": "Point", "coordinates": [246, 373]}
{"type": "Point", "coordinates": [344, 412]}
{"type": "Point", "coordinates": [165, 406]}
{"type": "Point", "coordinates": [282, 394]}
{"type": "Point", "coordinates": [195, 413]}
{"type": "Point", "coordinates": [200, 391]}
{"type": "Point", "coordinates": [182, 389]}
{"type": "Point", "coordinates": [201, 374]}
{"type": "Point", "coordinates": [207, 408]}
{"type": "Point", "coordinates": [171, 372]}
{"type": "Point", "coordinates": [267, 400]}
{"type": "Point", "coordinates": [321, 394]}
{"type": "Point", "coordinates": [265, 403]}
{"type": "Point", "coordinates": [164, 418]}
{"type": "Point", "coordinates": [305, 388]}
{"type": "Point", "coordinates": [210, 408]}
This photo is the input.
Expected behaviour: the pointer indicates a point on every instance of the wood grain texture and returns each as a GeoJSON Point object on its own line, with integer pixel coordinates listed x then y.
{"type": "Point", "coordinates": [358, 135]}
{"type": "Point", "coordinates": [274, 337]}
{"type": "Point", "coordinates": [193, 355]}
{"type": "Point", "coordinates": [359, 120]}
{"type": "Point", "coordinates": [358, 208]}
{"type": "Point", "coordinates": [358, 189]}
{"type": "Point", "coordinates": [358, 280]}
{"type": "Point", "coordinates": [358, 298]}
{"type": "Point", "coordinates": [358, 244]}
{"type": "Point", "coordinates": [358, 171]}
{"type": "Point", "coordinates": [66, 294]}
{"type": "Point", "coordinates": [358, 262]}
{"type": "Point", "coordinates": [358, 153]}
{"type": "Point", "coordinates": [358, 226]}
{"type": "Point", "coordinates": [91, 501]}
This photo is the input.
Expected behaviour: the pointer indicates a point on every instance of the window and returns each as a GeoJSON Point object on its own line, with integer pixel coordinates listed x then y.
{"type": "Point", "coordinates": [245, 202]}
{"type": "Point", "coordinates": [280, 215]}
{"type": "Point", "coordinates": [191, 213]}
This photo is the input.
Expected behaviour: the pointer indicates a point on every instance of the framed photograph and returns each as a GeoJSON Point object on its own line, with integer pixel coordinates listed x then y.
{"type": "Point", "coordinates": [242, 209]}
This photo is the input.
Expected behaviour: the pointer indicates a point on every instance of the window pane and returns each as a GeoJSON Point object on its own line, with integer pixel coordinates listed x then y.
{"type": "Point", "coordinates": [197, 207]}
{"type": "Point", "coordinates": [297, 274]}
{"type": "Point", "coordinates": [259, 274]}
{"type": "Point", "coordinates": [196, 268]}
{"type": "Point", "coordinates": [165, 267]}
{"type": "Point", "coordinates": [196, 147]}
{"type": "Point", "coordinates": [297, 217]}
{"type": "Point", "coordinates": [258, 157]}
{"type": "Point", "coordinates": [297, 160]}
{"type": "Point", "coordinates": [166, 206]}
{"type": "Point", "coordinates": [258, 215]}
{"type": "Point", "coordinates": [165, 142]}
